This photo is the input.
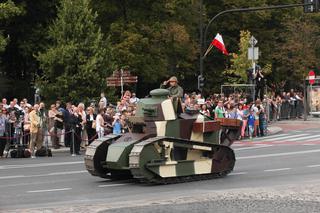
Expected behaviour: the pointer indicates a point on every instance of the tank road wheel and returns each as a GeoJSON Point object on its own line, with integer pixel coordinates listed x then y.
{"type": "Point", "coordinates": [228, 136]}
{"type": "Point", "coordinates": [223, 161]}
{"type": "Point", "coordinates": [142, 154]}
{"type": "Point", "coordinates": [96, 154]}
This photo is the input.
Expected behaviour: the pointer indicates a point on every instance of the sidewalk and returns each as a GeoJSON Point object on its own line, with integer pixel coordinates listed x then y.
{"type": "Point", "coordinates": [274, 129]}
{"type": "Point", "coordinates": [295, 124]}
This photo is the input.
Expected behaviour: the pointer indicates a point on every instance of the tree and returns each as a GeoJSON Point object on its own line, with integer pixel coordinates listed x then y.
{"type": "Point", "coordinates": [78, 59]}
{"type": "Point", "coordinates": [237, 73]}
{"type": "Point", "coordinates": [297, 50]}
{"type": "Point", "coordinates": [154, 39]}
{"type": "Point", "coordinates": [7, 10]}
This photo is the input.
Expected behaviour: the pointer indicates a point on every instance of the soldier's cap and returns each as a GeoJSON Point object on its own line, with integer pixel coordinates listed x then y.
{"type": "Point", "coordinates": [173, 79]}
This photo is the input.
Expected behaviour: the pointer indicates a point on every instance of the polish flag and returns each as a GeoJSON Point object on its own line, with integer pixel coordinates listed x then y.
{"type": "Point", "coordinates": [218, 43]}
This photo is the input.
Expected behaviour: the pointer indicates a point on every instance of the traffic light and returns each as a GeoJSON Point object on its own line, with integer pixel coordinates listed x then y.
{"type": "Point", "coordinates": [313, 6]}
{"type": "Point", "coordinates": [200, 82]}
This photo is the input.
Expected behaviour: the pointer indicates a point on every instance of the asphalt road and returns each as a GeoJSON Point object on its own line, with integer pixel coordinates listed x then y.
{"type": "Point", "coordinates": [62, 183]}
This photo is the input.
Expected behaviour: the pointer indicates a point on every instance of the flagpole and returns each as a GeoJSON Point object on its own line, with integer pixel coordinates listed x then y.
{"type": "Point", "coordinates": [208, 50]}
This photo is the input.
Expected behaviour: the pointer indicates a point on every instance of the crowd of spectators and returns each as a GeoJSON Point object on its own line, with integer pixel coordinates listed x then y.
{"type": "Point", "coordinates": [61, 125]}
{"type": "Point", "coordinates": [69, 125]}
{"type": "Point", "coordinates": [254, 115]}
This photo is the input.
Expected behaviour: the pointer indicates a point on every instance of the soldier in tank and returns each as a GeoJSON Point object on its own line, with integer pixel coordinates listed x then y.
{"type": "Point", "coordinates": [175, 91]}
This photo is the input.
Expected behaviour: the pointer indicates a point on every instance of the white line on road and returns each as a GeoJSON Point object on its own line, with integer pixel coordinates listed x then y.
{"type": "Point", "coordinates": [304, 139]}
{"type": "Point", "coordinates": [253, 147]}
{"type": "Point", "coordinates": [49, 190]}
{"type": "Point", "coordinates": [110, 185]}
{"type": "Point", "coordinates": [68, 173]}
{"type": "Point", "coordinates": [237, 173]}
{"type": "Point", "coordinates": [278, 154]}
{"type": "Point", "coordinates": [44, 175]}
{"type": "Point", "coordinates": [313, 166]}
{"type": "Point", "coordinates": [12, 177]}
{"type": "Point", "coordinates": [283, 138]}
{"type": "Point", "coordinates": [269, 137]}
{"type": "Point", "coordinates": [276, 170]}
{"type": "Point", "coordinates": [313, 139]}
{"type": "Point", "coordinates": [40, 165]}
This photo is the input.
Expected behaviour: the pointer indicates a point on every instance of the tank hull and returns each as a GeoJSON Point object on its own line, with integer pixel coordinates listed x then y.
{"type": "Point", "coordinates": [193, 161]}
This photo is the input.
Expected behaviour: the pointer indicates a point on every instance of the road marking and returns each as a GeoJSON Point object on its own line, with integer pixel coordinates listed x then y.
{"type": "Point", "coordinates": [276, 170]}
{"type": "Point", "coordinates": [44, 175]}
{"type": "Point", "coordinates": [253, 147]}
{"type": "Point", "coordinates": [40, 165]}
{"type": "Point", "coordinates": [278, 154]}
{"type": "Point", "coordinates": [68, 173]}
{"type": "Point", "coordinates": [237, 173]}
{"type": "Point", "coordinates": [269, 137]}
{"type": "Point", "coordinates": [110, 185]}
{"type": "Point", "coordinates": [313, 166]}
{"type": "Point", "coordinates": [284, 137]}
{"type": "Point", "coordinates": [11, 177]}
{"type": "Point", "coordinates": [304, 138]}
{"type": "Point", "coordinates": [260, 139]}
{"type": "Point", "coordinates": [309, 144]}
{"type": "Point", "coordinates": [314, 139]}
{"type": "Point", "coordinates": [49, 190]}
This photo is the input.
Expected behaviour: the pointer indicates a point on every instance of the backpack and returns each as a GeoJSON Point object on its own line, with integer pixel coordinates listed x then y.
{"type": "Point", "coordinates": [44, 152]}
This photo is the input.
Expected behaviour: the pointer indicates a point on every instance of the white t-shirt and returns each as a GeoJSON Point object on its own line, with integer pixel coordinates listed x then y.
{"type": "Point", "coordinates": [98, 123]}
{"type": "Point", "coordinates": [255, 112]}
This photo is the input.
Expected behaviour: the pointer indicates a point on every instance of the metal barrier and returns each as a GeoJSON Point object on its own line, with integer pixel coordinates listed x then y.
{"type": "Point", "coordinates": [286, 110]}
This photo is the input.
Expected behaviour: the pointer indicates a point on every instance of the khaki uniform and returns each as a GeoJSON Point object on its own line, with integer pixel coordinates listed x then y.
{"type": "Point", "coordinates": [35, 132]}
{"type": "Point", "coordinates": [175, 91]}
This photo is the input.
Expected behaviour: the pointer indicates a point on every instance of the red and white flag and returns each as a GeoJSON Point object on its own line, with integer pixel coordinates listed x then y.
{"type": "Point", "coordinates": [218, 43]}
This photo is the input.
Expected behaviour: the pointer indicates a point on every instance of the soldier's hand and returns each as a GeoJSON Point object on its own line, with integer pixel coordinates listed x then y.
{"type": "Point", "coordinates": [165, 82]}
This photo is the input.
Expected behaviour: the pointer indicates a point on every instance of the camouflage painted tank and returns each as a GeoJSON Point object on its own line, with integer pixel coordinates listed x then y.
{"type": "Point", "coordinates": [165, 146]}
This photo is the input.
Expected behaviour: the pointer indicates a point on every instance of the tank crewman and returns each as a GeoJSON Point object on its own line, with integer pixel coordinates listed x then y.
{"type": "Point", "coordinates": [175, 91]}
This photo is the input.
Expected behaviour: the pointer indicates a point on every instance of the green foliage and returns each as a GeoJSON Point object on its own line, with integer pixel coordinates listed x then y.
{"type": "Point", "coordinates": [154, 39]}
{"type": "Point", "coordinates": [297, 50]}
{"type": "Point", "coordinates": [7, 10]}
{"type": "Point", "coordinates": [239, 63]}
{"type": "Point", "coordinates": [78, 59]}
{"type": "Point", "coordinates": [156, 42]}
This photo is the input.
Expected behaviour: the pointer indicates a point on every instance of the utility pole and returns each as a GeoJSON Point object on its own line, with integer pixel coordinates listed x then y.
{"type": "Point", "coordinates": [201, 40]}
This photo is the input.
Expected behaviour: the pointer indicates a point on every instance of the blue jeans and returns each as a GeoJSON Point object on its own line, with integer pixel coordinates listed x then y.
{"type": "Point", "coordinates": [251, 130]}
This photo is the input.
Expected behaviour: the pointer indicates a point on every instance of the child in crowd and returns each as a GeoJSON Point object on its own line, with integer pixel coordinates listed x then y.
{"type": "Point", "coordinates": [117, 125]}
{"type": "Point", "coordinates": [251, 120]}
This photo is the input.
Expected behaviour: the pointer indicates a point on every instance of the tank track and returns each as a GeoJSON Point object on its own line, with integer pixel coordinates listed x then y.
{"type": "Point", "coordinates": [138, 174]}
{"type": "Point", "coordinates": [95, 155]}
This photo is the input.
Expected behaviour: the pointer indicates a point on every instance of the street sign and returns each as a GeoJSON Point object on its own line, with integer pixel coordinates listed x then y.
{"type": "Point", "coordinates": [121, 77]}
{"type": "Point", "coordinates": [253, 53]}
{"type": "Point", "coordinates": [253, 41]}
{"type": "Point", "coordinates": [312, 7]}
{"type": "Point", "coordinates": [312, 77]}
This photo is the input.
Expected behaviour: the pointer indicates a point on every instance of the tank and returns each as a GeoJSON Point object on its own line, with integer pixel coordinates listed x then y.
{"type": "Point", "coordinates": [165, 146]}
